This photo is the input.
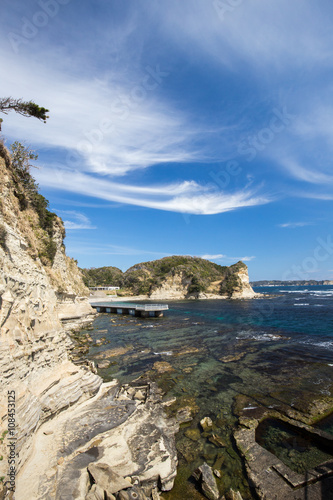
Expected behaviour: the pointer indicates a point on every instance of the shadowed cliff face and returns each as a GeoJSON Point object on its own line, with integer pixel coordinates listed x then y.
{"type": "Point", "coordinates": [39, 287]}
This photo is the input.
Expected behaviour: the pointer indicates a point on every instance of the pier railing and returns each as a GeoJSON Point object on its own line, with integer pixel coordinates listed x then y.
{"type": "Point", "coordinates": [152, 307]}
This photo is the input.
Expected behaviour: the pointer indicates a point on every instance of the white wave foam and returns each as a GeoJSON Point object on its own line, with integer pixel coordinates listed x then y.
{"type": "Point", "coordinates": [328, 344]}
{"type": "Point", "coordinates": [268, 337]}
{"type": "Point", "coordinates": [313, 293]}
{"type": "Point", "coordinates": [163, 353]}
{"type": "Point", "coordinates": [305, 304]}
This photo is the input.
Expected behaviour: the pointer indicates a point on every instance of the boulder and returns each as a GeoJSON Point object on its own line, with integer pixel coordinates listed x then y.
{"type": "Point", "coordinates": [206, 423]}
{"type": "Point", "coordinates": [233, 495]}
{"type": "Point", "coordinates": [193, 434]}
{"type": "Point", "coordinates": [107, 479]}
{"type": "Point", "coordinates": [103, 364]}
{"type": "Point", "coordinates": [205, 477]}
{"type": "Point", "coordinates": [184, 415]}
{"type": "Point", "coordinates": [96, 493]}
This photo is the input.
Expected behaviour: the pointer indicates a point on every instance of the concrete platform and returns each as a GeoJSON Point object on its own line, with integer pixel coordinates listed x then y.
{"type": "Point", "coordinates": [141, 310]}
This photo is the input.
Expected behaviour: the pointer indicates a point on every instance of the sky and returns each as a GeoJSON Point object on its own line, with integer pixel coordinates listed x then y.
{"type": "Point", "coordinates": [197, 127]}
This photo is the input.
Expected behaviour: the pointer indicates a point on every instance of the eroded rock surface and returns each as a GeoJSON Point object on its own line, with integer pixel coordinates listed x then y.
{"type": "Point", "coordinates": [114, 441]}
{"type": "Point", "coordinates": [272, 479]}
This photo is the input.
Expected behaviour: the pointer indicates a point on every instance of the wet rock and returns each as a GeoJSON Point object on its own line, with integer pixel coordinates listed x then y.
{"type": "Point", "coordinates": [217, 441]}
{"type": "Point", "coordinates": [270, 475]}
{"type": "Point", "coordinates": [233, 495]}
{"type": "Point", "coordinates": [209, 453]}
{"type": "Point", "coordinates": [107, 479]}
{"type": "Point", "coordinates": [162, 367]}
{"type": "Point", "coordinates": [206, 423]}
{"type": "Point", "coordinates": [189, 450]}
{"type": "Point", "coordinates": [232, 357]}
{"type": "Point", "coordinates": [103, 364]}
{"type": "Point", "coordinates": [184, 415]}
{"type": "Point", "coordinates": [219, 461]}
{"type": "Point", "coordinates": [193, 434]}
{"type": "Point", "coordinates": [204, 476]}
{"type": "Point", "coordinates": [134, 493]}
{"type": "Point", "coordinates": [117, 351]}
{"type": "Point", "coordinates": [169, 401]}
{"type": "Point", "coordinates": [187, 350]}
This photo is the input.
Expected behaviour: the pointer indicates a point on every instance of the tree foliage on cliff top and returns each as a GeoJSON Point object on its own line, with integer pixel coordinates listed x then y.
{"type": "Point", "coordinates": [143, 278]}
{"type": "Point", "coordinates": [103, 276]}
{"type": "Point", "coordinates": [26, 190]}
{"type": "Point", "coordinates": [24, 108]}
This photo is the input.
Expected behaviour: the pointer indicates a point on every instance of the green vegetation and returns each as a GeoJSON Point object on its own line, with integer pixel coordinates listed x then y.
{"type": "Point", "coordinates": [3, 435]}
{"type": "Point", "coordinates": [102, 276]}
{"type": "Point", "coordinates": [3, 236]}
{"type": "Point", "coordinates": [24, 108]}
{"type": "Point", "coordinates": [198, 275]}
{"type": "Point", "coordinates": [26, 191]}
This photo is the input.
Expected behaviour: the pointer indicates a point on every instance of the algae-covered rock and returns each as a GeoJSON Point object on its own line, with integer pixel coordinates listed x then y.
{"type": "Point", "coordinates": [193, 434]}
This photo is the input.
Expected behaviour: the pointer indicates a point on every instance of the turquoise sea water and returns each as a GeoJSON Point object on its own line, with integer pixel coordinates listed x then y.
{"type": "Point", "coordinates": [275, 351]}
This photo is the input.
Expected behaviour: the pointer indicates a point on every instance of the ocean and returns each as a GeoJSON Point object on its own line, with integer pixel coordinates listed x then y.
{"type": "Point", "coordinates": [220, 355]}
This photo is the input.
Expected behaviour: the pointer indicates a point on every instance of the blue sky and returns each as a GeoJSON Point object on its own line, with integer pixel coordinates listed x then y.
{"type": "Point", "coordinates": [192, 128]}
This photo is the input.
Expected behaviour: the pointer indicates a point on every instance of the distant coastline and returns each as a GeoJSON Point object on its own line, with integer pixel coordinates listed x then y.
{"type": "Point", "coordinates": [291, 283]}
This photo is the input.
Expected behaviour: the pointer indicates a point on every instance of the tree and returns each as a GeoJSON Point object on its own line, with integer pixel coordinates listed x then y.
{"type": "Point", "coordinates": [21, 156]}
{"type": "Point", "coordinates": [24, 108]}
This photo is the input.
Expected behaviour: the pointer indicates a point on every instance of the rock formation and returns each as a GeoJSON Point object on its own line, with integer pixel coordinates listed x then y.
{"type": "Point", "coordinates": [34, 296]}
{"type": "Point", "coordinates": [41, 295]}
{"type": "Point", "coordinates": [176, 278]}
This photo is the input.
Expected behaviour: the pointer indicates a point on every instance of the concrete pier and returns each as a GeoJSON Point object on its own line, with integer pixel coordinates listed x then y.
{"type": "Point", "coordinates": [142, 310]}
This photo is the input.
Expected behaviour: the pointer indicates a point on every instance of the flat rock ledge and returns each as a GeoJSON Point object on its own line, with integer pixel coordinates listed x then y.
{"type": "Point", "coordinates": [118, 445]}
{"type": "Point", "coordinates": [272, 479]}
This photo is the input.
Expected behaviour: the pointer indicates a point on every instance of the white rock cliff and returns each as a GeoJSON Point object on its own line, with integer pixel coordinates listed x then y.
{"type": "Point", "coordinates": [41, 295]}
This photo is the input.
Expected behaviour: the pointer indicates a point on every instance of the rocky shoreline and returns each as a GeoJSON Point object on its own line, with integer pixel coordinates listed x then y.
{"type": "Point", "coordinates": [117, 443]}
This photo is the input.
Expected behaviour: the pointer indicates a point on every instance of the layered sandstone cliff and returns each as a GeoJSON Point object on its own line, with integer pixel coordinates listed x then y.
{"type": "Point", "coordinates": [35, 295]}
{"type": "Point", "coordinates": [57, 418]}
{"type": "Point", "coordinates": [179, 286]}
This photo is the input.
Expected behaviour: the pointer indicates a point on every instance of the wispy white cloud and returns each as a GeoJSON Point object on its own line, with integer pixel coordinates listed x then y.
{"type": "Point", "coordinates": [226, 258]}
{"type": "Point", "coordinates": [213, 257]}
{"type": "Point", "coordinates": [82, 247]}
{"type": "Point", "coordinates": [277, 34]}
{"type": "Point", "coordinates": [78, 220]}
{"type": "Point", "coordinates": [313, 175]}
{"type": "Point", "coordinates": [110, 127]}
{"type": "Point", "coordinates": [186, 197]}
{"type": "Point", "coordinates": [295, 224]}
